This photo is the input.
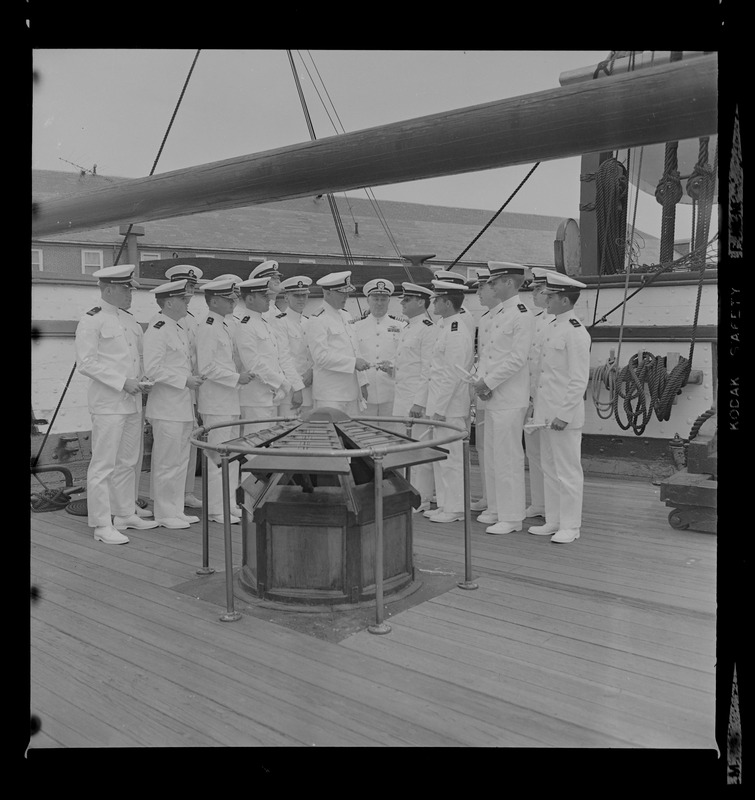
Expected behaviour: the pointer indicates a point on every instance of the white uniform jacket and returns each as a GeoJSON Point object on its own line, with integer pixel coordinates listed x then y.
{"type": "Point", "coordinates": [504, 362]}
{"type": "Point", "coordinates": [334, 349]}
{"type": "Point", "coordinates": [219, 394]}
{"type": "Point", "coordinates": [542, 319]}
{"type": "Point", "coordinates": [564, 372]}
{"type": "Point", "coordinates": [288, 329]}
{"type": "Point", "coordinates": [448, 392]}
{"type": "Point", "coordinates": [378, 340]}
{"type": "Point", "coordinates": [257, 346]}
{"type": "Point", "coordinates": [483, 331]}
{"type": "Point", "coordinates": [167, 362]}
{"type": "Point", "coordinates": [109, 350]}
{"type": "Point", "coordinates": [412, 364]}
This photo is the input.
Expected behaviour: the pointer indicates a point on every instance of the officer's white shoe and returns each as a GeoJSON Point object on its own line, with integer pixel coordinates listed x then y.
{"type": "Point", "coordinates": [543, 530]}
{"type": "Point", "coordinates": [133, 521]}
{"type": "Point", "coordinates": [172, 522]}
{"type": "Point", "coordinates": [433, 512]}
{"type": "Point", "coordinates": [488, 518]}
{"type": "Point", "coordinates": [565, 535]}
{"type": "Point", "coordinates": [187, 518]}
{"type": "Point", "coordinates": [446, 516]}
{"type": "Point", "coordinates": [422, 507]}
{"type": "Point", "coordinates": [504, 527]}
{"type": "Point", "coordinates": [219, 518]}
{"type": "Point", "coordinates": [478, 505]}
{"type": "Point", "coordinates": [109, 535]}
{"type": "Point", "coordinates": [142, 512]}
{"type": "Point", "coordinates": [190, 501]}
{"type": "Point", "coordinates": [534, 512]}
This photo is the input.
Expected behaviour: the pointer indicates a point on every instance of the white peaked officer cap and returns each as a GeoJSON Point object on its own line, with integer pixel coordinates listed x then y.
{"type": "Point", "coordinates": [267, 269]}
{"type": "Point", "coordinates": [449, 277]}
{"type": "Point", "coordinates": [414, 290]}
{"type": "Point", "coordinates": [337, 281]}
{"type": "Point", "coordinates": [175, 288]}
{"type": "Point", "coordinates": [442, 288]}
{"type": "Point", "coordinates": [558, 282]}
{"type": "Point", "coordinates": [253, 285]}
{"type": "Point", "coordinates": [181, 271]}
{"type": "Point", "coordinates": [119, 275]}
{"type": "Point", "coordinates": [539, 274]}
{"type": "Point", "coordinates": [507, 268]}
{"type": "Point", "coordinates": [222, 287]}
{"type": "Point", "coordinates": [378, 286]}
{"type": "Point", "coordinates": [299, 283]}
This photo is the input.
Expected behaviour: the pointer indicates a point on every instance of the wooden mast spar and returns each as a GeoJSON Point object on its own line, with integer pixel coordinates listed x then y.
{"type": "Point", "coordinates": [667, 103]}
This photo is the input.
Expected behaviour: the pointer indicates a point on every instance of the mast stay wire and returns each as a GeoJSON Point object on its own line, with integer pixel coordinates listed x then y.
{"type": "Point", "coordinates": [35, 460]}
{"type": "Point", "coordinates": [367, 190]}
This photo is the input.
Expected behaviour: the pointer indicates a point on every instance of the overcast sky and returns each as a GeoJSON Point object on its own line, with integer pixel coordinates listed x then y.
{"type": "Point", "coordinates": [112, 108]}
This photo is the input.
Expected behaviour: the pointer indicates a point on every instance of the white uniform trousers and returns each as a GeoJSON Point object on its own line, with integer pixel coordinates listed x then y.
{"type": "Point", "coordinates": [257, 412]}
{"type": "Point", "coordinates": [561, 459]}
{"type": "Point", "coordinates": [480, 447]}
{"type": "Point", "coordinates": [214, 499]}
{"type": "Point", "coordinates": [537, 490]}
{"type": "Point", "coordinates": [191, 471]}
{"type": "Point", "coordinates": [139, 461]}
{"type": "Point", "coordinates": [170, 462]}
{"type": "Point", "coordinates": [110, 476]}
{"type": "Point", "coordinates": [449, 473]}
{"type": "Point", "coordinates": [504, 463]}
{"type": "Point", "coordinates": [421, 475]}
{"type": "Point", "coordinates": [379, 409]}
{"type": "Point", "coordinates": [351, 407]}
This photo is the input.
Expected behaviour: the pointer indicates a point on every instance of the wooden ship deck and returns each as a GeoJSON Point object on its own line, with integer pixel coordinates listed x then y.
{"type": "Point", "coordinates": [608, 642]}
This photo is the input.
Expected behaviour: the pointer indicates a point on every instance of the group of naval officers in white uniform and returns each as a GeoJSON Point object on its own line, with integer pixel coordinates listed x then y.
{"type": "Point", "coordinates": [520, 371]}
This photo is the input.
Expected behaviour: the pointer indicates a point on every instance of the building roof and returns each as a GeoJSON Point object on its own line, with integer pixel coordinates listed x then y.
{"type": "Point", "coordinates": [305, 225]}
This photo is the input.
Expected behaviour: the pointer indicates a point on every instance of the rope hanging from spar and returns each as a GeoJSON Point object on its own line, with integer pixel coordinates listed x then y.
{"type": "Point", "coordinates": [118, 256]}
{"type": "Point", "coordinates": [493, 218]}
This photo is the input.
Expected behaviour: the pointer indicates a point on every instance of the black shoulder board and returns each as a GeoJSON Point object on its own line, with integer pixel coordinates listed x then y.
{"type": "Point", "coordinates": [427, 321]}
{"type": "Point", "coordinates": [462, 310]}
{"type": "Point", "coordinates": [159, 324]}
{"type": "Point", "coordinates": [523, 308]}
{"type": "Point", "coordinates": [282, 314]}
{"type": "Point", "coordinates": [95, 310]}
{"type": "Point", "coordinates": [245, 320]}
{"type": "Point", "coordinates": [210, 320]}
{"type": "Point", "coordinates": [455, 325]}
{"type": "Point", "coordinates": [576, 323]}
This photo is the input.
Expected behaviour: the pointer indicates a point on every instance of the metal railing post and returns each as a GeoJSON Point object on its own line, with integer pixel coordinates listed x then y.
{"type": "Point", "coordinates": [205, 569]}
{"type": "Point", "coordinates": [467, 583]}
{"type": "Point", "coordinates": [379, 626]}
{"type": "Point", "coordinates": [231, 614]}
{"type": "Point", "coordinates": [408, 470]}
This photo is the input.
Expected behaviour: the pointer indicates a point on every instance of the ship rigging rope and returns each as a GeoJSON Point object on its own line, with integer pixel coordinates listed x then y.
{"type": "Point", "coordinates": [117, 258]}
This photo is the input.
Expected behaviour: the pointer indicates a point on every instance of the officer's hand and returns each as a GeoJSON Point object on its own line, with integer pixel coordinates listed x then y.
{"type": "Point", "coordinates": [132, 386]}
{"type": "Point", "coordinates": [439, 417]}
{"type": "Point", "coordinates": [361, 364]}
{"type": "Point", "coordinates": [245, 377]}
{"type": "Point", "coordinates": [296, 399]}
{"type": "Point", "coordinates": [306, 378]}
{"type": "Point", "coordinates": [387, 367]}
{"type": "Point", "coordinates": [194, 381]}
{"type": "Point", "coordinates": [365, 390]}
{"type": "Point", "coordinates": [558, 424]}
{"type": "Point", "coordinates": [417, 411]}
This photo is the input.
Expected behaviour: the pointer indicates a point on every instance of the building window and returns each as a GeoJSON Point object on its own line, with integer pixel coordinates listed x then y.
{"type": "Point", "coordinates": [205, 255]}
{"type": "Point", "coordinates": [307, 261]}
{"type": "Point", "coordinates": [149, 256]}
{"type": "Point", "coordinates": [472, 273]}
{"type": "Point", "coordinates": [37, 264]}
{"type": "Point", "coordinates": [91, 261]}
{"type": "Point", "coordinates": [257, 258]}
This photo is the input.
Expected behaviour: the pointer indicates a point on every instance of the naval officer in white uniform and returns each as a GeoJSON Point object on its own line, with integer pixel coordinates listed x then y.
{"type": "Point", "coordinates": [562, 383]}
{"type": "Point", "coordinates": [504, 383]}
{"type": "Point", "coordinates": [448, 397]}
{"type": "Point", "coordinates": [337, 379]}
{"type": "Point", "coordinates": [169, 363]}
{"type": "Point", "coordinates": [378, 334]}
{"type": "Point", "coordinates": [218, 396]}
{"type": "Point", "coordinates": [291, 323]}
{"type": "Point", "coordinates": [536, 507]}
{"type": "Point", "coordinates": [108, 352]}
{"type": "Point", "coordinates": [449, 276]}
{"type": "Point", "coordinates": [411, 372]}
